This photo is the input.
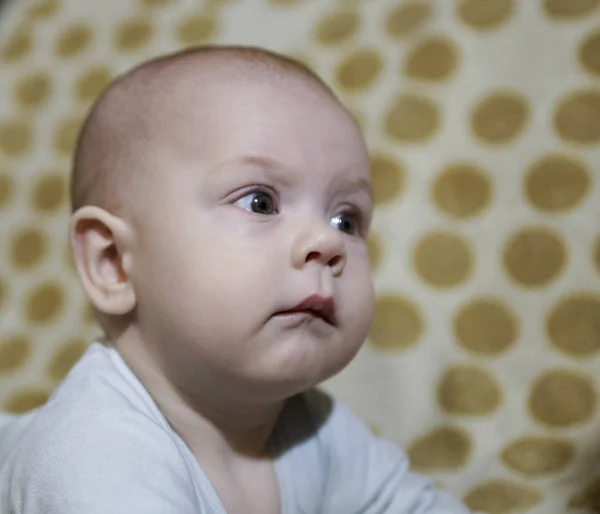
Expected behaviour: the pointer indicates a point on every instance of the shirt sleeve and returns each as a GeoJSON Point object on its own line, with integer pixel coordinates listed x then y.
{"type": "Point", "coordinates": [370, 475]}
{"type": "Point", "coordinates": [125, 467]}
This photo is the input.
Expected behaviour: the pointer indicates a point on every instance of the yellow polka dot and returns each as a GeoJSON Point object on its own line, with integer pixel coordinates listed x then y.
{"type": "Point", "coordinates": [561, 398]}
{"type": "Point", "coordinates": [133, 35]}
{"type": "Point", "coordinates": [49, 192]}
{"type": "Point", "coordinates": [589, 53]}
{"type": "Point", "coordinates": [412, 119]}
{"type": "Point", "coordinates": [407, 17]}
{"type": "Point", "coordinates": [14, 352]}
{"type": "Point", "coordinates": [69, 261]}
{"type": "Point", "coordinates": [197, 30]}
{"type": "Point", "coordinates": [359, 70]}
{"type": "Point", "coordinates": [25, 400]}
{"type": "Point", "coordinates": [596, 254]}
{"type": "Point", "coordinates": [434, 59]}
{"type": "Point", "coordinates": [443, 259]}
{"type": "Point", "coordinates": [577, 117]}
{"type": "Point", "coordinates": [573, 325]}
{"type": "Point", "coordinates": [486, 326]}
{"type": "Point", "coordinates": [156, 3]}
{"type": "Point", "coordinates": [7, 188]}
{"type": "Point", "coordinates": [219, 4]}
{"type": "Point", "coordinates": [499, 117]}
{"type": "Point", "coordinates": [375, 249]}
{"type": "Point", "coordinates": [397, 323]}
{"type": "Point", "coordinates": [17, 47]}
{"type": "Point", "coordinates": [65, 137]}
{"type": "Point", "coordinates": [485, 14]}
{"type": "Point", "coordinates": [285, 3]}
{"type": "Point", "coordinates": [67, 253]}
{"type": "Point", "coordinates": [462, 190]}
{"type": "Point", "coordinates": [587, 498]}
{"type": "Point", "coordinates": [534, 257]}
{"type": "Point", "coordinates": [337, 27]}
{"type": "Point", "coordinates": [44, 9]}
{"type": "Point", "coordinates": [536, 456]}
{"type": "Point", "coordinates": [33, 90]}
{"type": "Point", "coordinates": [89, 317]}
{"type": "Point", "coordinates": [28, 248]}
{"type": "Point", "coordinates": [65, 358]}
{"type": "Point", "coordinates": [501, 496]}
{"type": "Point", "coordinates": [15, 138]}
{"type": "Point", "coordinates": [387, 178]}
{"type": "Point", "coordinates": [92, 82]}
{"type": "Point", "coordinates": [442, 449]}
{"type": "Point", "coordinates": [468, 390]}
{"type": "Point", "coordinates": [45, 303]}
{"type": "Point", "coordinates": [569, 8]}
{"type": "Point", "coordinates": [3, 293]}
{"type": "Point", "coordinates": [73, 41]}
{"type": "Point", "coordinates": [557, 183]}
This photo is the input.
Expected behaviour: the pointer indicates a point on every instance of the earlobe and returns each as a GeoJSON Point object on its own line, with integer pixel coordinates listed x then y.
{"type": "Point", "coordinates": [101, 244]}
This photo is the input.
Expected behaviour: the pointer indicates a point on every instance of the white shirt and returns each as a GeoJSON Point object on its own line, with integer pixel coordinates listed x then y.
{"type": "Point", "coordinates": [101, 446]}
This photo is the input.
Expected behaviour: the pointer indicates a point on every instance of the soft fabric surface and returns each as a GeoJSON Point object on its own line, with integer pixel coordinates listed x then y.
{"type": "Point", "coordinates": [100, 444]}
{"type": "Point", "coordinates": [483, 118]}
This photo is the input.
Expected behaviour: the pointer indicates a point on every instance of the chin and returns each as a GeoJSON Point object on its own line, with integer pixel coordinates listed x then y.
{"type": "Point", "coordinates": [304, 370]}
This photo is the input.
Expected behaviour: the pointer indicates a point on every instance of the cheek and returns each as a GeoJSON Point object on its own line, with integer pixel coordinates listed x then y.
{"type": "Point", "coordinates": [220, 271]}
{"type": "Point", "coordinates": [363, 304]}
{"type": "Point", "coordinates": [359, 294]}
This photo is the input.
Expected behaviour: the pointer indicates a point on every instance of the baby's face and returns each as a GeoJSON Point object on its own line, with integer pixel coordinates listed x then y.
{"type": "Point", "coordinates": [251, 265]}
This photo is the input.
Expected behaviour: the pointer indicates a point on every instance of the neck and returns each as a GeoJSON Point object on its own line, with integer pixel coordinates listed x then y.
{"type": "Point", "coordinates": [217, 427]}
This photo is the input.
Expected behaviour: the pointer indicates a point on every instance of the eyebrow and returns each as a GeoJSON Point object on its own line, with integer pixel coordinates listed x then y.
{"type": "Point", "coordinates": [256, 161]}
{"type": "Point", "coordinates": [259, 160]}
{"type": "Point", "coordinates": [359, 184]}
{"type": "Point", "coordinates": [350, 185]}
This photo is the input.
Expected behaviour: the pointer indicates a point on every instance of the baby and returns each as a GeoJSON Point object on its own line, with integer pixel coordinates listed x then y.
{"type": "Point", "coordinates": [221, 205]}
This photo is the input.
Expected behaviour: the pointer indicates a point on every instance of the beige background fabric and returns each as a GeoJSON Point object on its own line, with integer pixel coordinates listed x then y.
{"type": "Point", "coordinates": [483, 119]}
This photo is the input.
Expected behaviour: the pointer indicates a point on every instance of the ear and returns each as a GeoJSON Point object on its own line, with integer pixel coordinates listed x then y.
{"type": "Point", "coordinates": [101, 245]}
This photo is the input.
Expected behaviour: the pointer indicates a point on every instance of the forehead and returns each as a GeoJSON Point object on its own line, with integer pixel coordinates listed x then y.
{"type": "Point", "coordinates": [286, 117]}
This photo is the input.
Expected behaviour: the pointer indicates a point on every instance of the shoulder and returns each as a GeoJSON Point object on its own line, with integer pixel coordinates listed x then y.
{"type": "Point", "coordinates": [97, 406]}
{"type": "Point", "coordinates": [93, 441]}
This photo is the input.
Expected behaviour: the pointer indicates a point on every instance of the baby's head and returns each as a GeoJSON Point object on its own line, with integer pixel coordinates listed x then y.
{"type": "Point", "coordinates": [221, 207]}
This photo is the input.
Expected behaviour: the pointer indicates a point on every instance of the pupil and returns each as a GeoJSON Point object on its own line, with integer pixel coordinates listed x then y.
{"type": "Point", "coordinates": [262, 203]}
{"type": "Point", "coordinates": [346, 223]}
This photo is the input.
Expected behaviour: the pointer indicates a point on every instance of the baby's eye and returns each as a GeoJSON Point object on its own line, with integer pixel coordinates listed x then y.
{"type": "Point", "coordinates": [346, 222]}
{"type": "Point", "coordinates": [259, 202]}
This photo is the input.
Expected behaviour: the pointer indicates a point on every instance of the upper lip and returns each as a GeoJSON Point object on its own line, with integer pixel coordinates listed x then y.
{"type": "Point", "coordinates": [319, 305]}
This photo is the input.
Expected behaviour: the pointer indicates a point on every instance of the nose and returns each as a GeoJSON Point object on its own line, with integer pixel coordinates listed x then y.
{"type": "Point", "coordinates": [322, 244]}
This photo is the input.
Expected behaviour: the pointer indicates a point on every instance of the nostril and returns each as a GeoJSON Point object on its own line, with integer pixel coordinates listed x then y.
{"type": "Point", "coordinates": [334, 261]}
{"type": "Point", "coordinates": [312, 256]}
{"type": "Point", "coordinates": [318, 256]}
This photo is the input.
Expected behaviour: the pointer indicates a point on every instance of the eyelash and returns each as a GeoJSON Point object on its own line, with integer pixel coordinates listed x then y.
{"type": "Point", "coordinates": [358, 219]}
{"type": "Point", "coordinates": [268, 190]}
{"type": "Point", "coordinates": [258, 189]}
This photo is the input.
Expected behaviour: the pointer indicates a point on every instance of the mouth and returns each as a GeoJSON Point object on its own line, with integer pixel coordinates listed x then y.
{"type": "Point", "coordinates": [318, 306]}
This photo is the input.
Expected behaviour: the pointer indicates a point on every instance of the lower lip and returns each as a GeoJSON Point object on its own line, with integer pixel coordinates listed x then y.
{"type": "Point", "coordinates": [299, 316]}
